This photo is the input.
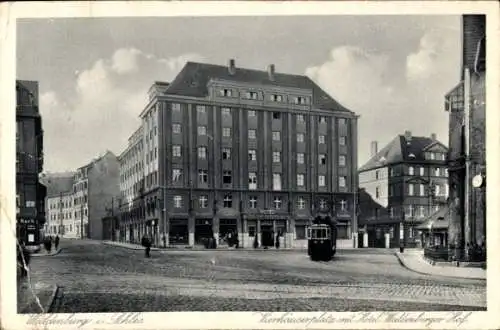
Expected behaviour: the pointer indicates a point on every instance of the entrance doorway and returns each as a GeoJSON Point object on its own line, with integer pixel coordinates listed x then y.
{"type": "Point", "coordinates": [202, 231]}
{"type": "Point", "coordinates": [267, 235]}
{"type": "Point", "coordinates": [227, 231]}
{"type": "Point", "coordinates": [178, 233]}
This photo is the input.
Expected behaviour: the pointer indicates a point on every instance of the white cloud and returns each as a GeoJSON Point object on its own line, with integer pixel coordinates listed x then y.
{"type": "Point", "coordinates": [104, 110]}
{"type": "Point", "coordinates": [388, 101]}
{"type": "Point", "coordinates": [427, 61]}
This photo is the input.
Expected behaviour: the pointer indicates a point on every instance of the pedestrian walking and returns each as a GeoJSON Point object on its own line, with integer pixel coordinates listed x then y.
{"type": "Point", "coordinates": [146, 242]}
{"type": "Point", "coordinates": [56, 242]}
{"type": "Point", "coordinates": [277, 243]}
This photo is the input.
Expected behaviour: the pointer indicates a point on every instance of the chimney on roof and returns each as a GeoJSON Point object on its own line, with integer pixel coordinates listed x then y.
{"type": "Point", "coordinates": [374, 148]}
{"type": "Point", "coordinates": [433, 136]}
{"type": "Point", "coordinates": [231, 67]}
{"type": "Point", "coordinates": [408, 136]}
{"type": "Point", "coordinates": [270, 71]}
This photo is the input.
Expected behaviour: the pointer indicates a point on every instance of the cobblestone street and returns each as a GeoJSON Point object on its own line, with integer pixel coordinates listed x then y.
{"type": "Point", "coordinates": [98, 278]}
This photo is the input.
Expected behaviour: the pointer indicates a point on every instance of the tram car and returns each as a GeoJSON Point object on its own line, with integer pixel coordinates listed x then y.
{"type": "Point", "coordinates": [322, 239]}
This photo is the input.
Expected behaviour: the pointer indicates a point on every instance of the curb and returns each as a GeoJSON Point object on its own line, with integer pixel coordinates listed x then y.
{"type": "Point", "coordinates": [50, 302]}
{"type": "Point", "coordinates": [46, 255]}
{"type": "Point", "coordinates": [433, 274]}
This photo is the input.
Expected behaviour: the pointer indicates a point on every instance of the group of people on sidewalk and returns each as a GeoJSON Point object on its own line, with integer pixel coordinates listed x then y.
{"type": "Point", "coordinates": [47, 243]}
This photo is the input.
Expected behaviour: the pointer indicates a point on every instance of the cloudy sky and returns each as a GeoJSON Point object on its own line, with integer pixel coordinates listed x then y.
{"type": "Point", "coordinates": [94, 73]}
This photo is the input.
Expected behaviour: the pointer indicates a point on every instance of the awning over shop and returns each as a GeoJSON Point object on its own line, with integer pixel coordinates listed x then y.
{"type": "Point", "coordinates": [438, 220]}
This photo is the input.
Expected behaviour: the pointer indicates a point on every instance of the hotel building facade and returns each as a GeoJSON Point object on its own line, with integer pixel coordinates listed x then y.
{"type": "Point", "coordinates": [228, 150]}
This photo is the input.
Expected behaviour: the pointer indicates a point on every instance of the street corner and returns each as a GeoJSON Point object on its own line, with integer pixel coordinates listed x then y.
{"type": "Point", "coordinates": [46, 254]}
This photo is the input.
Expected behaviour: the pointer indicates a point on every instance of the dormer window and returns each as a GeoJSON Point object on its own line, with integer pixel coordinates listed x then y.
{"type": "Point", "coordinates": [226, 92]}
{"type": "Point", "coordinates": [276, 98]}
{"type": "Point", "coordinates": [300, 100]}
{"type": "Point", "coordinates": [251, 95]}
{"type": "Point", "coordinates": [411, 155]}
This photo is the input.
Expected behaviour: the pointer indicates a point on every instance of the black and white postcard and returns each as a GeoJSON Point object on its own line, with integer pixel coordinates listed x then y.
{"type": "Point", "coordinates": [298, 164]}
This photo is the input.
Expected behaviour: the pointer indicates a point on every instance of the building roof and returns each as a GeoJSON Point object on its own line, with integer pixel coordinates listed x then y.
{"type": "Point", "coordinates": [438, 219]}
{"type": "Point", "coordinates": [400, 150]}
{"type": "Point", "coordinates": [193, 78]}
{"type": "Point", "coordinates": [58, 183]}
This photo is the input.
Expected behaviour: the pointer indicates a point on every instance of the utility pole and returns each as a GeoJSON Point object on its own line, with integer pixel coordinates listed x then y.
{"type": "Point", "coordinates": [61, 214]}
{"type": "Point", "coordinates": [466, 215]}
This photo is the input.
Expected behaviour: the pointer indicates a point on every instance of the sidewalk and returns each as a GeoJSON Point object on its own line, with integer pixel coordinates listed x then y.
{"type": "Point", "coordinates": [414, 260]}
{"type": "Point", "coordinates": [44, 253]}
{"type": "Point", "coordinates": [131, 246]}
{"type": "Point", "coordinates": [26, 296]}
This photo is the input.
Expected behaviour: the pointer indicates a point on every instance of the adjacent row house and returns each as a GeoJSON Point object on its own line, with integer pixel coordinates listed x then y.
{"type": "Point", "coordinates": [78, 201]}
{"type": "Point", "coordinates": [225, 150]}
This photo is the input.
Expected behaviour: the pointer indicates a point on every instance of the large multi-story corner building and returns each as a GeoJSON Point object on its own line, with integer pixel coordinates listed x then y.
{"type": "Point", "coordinates": [59, 204]}
{"type": "Point", "coordinates": [400, 186]}
{"type": "Point", "coordinates": [30, 193]}
{"type": "Point", "coordinates": [95, 189]}
{"type": "Point", "coordinates": [255, 153]}
{"type": "Point", "coordinates": [466, 104]}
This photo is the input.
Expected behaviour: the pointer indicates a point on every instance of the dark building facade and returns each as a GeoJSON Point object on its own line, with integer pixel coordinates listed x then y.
{"type": "Point", "coordinates": [400, 186]}
{"type": "Point", "coordinates": [248, 152]}
{"type": "Point", "coordinates": [466, 104]}
{"type": "Point", "coordinates": [30, 193]}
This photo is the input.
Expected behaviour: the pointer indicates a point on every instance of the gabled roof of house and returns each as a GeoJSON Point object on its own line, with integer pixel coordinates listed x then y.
{"type": "Point", "coordinates": [193, 78]}
{"type": "Point", "coordinates": [401, 150]}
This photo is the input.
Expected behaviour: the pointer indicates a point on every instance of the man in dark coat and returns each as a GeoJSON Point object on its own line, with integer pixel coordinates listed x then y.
{"type": "Point", "coordinates": [146, 242]}
{"type": "Point", "coordinates": [56, 242]}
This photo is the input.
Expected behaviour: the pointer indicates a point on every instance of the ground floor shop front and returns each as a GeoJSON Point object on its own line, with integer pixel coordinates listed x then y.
{"type": "Point", "coordinates": [249, 232]}
{"type": "Point", "coordinates": [391, 235]}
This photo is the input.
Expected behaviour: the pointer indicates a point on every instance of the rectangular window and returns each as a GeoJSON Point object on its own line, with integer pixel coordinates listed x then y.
{"type": "Point", "coordinates": [203, 176]}
{"type": "Point", "coordinates": [437, 190]}
{"type": "Point", "coordinates": [276, 98]}
{"type": "Point", "coordinates": [322, 159]}
{"type": "Point", "coordinates": [276, 136]}
{"type": "Point", "coordinates": [228, 201]}
{"type": "Point", "coordinates": [300, 137]}
{"type": "Point", "coordinates": [446, 190]}
{"type": "Point", "coordinates": [201, 109]}
{"type": "Point", "coordinates": [342, 140]}
{"type": "Point", "coordinates": [226, 111]}
{"type": "Point", "coordinates": [300, 180]}
{"type": "Point", "coordinates": [341, 160]}
{"type": "Point", "coordinates": [437, 171]}
{"type": "Point", "coordinates": [176, 175]}
{"type": "Point", "coordinates": [342, 122]}
{"type": "Point", "coordinates": [253, 202]}
{"type": "Point", "coordinates": [277, 202]}
{"type": "Point", "coordinates": [422, 190]}
{"type": "Point", "coordinates": [251, 113]}
{"type": "Point", "coordinates": [421, 169]}
{"type": "Point", "coordinates": [300, 232]}
{"type": "Point", "coordinates": [226, 153]}
{"type": "Point", "coordinates": [276, 181]}
{"type": "Point", "coordinates": [176, 128]}
{"type": "Point", "coordinates": [252, 180]}
{"type": "Point", "coordinates": [301, 203]}
{"type": "Point", "coordinates": [300, 158]}
{"type": "Point", "coordinates": [251, 95]}
{"type": "Point", "coordinates": [202, 130]}
{"type": "Point", "coordinates": [322, 119]}
{"type": "Point", "coordinates": [176, 107]}
{"type": "Point", "coordinates": [252, 155]}
{"type": "Point", "coordinates": [299, 100]}
{"type": "Point", "coordinates": [411, 189]}
{"type": "Point", "coordinates": [301, 118]}
{"type": "Point", "coordinates": [178, 201]}
{"type": "Point", "coordinates": [421, 211]}
{"type": "Point", "coordinates": [202, 152]}
{"type": "Point", "coordinates": [203, 201]}
{"type": "Point", "coordinates": [321, 139]}
{"type": "Point", "coordinates": [321, 181]}
{"type": "Point", "coordinates": [276, 156]}
{"type": "Point", "coordinates": [226, 177]}
{"type": "Point", "coordinates": [251, 134]}
{"type": "Point", "coordinates": [411, 170]}
{"type": "Point", "coordinates": [226, 92]}
{"type": "Point", "coordinates": [276, 115]}
{"type": "Point", "coordinates": [377, 192]}
{"type": "Point", "coordinates": [226, 132]}
{"type": "Point", "coordinates": [176, 151]}
{"type": "Point", "coordinates": [342, 181]}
